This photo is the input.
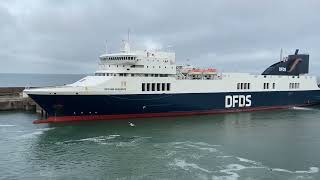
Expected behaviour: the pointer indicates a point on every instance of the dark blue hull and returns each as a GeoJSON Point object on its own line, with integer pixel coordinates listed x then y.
{"type": "Point", "coordinates": [88, 105]}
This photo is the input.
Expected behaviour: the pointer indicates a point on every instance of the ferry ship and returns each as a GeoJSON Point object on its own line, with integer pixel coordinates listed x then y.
{"type": "Point", "coordinates": [148, 83]}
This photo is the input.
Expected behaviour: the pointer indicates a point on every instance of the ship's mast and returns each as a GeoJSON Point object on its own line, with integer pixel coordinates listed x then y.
{"type": "Point", "coordinates": [106, 47]}
{"type": "Point", "coordinates": [128, 36]}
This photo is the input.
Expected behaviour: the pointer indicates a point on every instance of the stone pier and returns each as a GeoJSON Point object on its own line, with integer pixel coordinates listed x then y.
{"type": "Point", "coordinates": [12, 98]}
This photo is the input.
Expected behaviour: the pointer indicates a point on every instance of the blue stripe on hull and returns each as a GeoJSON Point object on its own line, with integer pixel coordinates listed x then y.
{"type": "Point", "coordinates": [70, 105]}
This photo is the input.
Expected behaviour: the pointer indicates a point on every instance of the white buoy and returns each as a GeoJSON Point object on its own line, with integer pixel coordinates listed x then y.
{"type": "Point", "coordinates": [131, 124]}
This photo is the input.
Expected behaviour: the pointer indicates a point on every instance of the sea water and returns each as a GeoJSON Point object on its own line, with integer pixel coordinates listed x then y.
{"type": "Point", "coordinates": [282, 144]}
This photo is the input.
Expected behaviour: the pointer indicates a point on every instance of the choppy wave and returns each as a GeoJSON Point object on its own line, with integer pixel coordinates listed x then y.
{"type": "Point", "coordinates": [187, 156]}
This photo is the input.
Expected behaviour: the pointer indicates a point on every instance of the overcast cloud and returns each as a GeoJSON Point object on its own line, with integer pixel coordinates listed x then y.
{"type": "Point", "coordinates": [67, 36]}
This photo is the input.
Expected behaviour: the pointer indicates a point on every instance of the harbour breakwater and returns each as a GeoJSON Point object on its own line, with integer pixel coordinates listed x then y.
{"type": "Point", "coordinates": [13, 98]}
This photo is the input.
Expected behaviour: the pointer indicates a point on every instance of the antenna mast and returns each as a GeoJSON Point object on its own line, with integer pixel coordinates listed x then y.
{"type": "Point", "coordinates": [106, 47]}
{"type": "Point", "coordinates": [128, 35]}
{"type": "Point", "coordinates": [281, 54]}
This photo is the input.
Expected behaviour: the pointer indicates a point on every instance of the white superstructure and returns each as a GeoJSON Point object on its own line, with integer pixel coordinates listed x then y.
{"type": "Point", "coordinates": [155, 72]}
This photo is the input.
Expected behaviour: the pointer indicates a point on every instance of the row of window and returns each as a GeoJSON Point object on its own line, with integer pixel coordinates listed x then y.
{"type": "Point", "coordinates": [136, 66]}
{"type": "Point", "coordinates": [243, 86]}
{"type": "Point", "coordinates": [294, 85]}
{"type": "Point", "coordinates": [155, 86]}
{"type": "Point", "coordinates": [281, 76]}
{"type": "Point", "coordinates": [132, 75]}
{"type": "Point", "coordinates": [120, 58]}
{"type": "Point", "coordinates": [248, 86]}
{"type": "Point", "coordinates": [266, 85]}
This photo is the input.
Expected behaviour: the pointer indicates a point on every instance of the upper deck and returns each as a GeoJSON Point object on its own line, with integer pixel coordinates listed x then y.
{"type": "Point", "coordinates": [137, 63]}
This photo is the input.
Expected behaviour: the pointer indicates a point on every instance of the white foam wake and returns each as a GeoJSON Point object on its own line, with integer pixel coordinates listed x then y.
{"type": "Point", "coordinates": [210, 149]}
{"type": "Point", "coordinates": [186, 166]}
{"type": "Point", "coordinates": [248, 161]}
{"type": "Point", "coordinates": [302, 108]}
{"type": "Point", "coordinates": [311, 170]}
{"type": "Point", "coordinates": [231, 170]}
{"type": "Point", "coordinates": [35, 133]}
{"type": "Point", "coordinates": [98, 139]}
{"type": "Point", "coordinates": [7, 125]}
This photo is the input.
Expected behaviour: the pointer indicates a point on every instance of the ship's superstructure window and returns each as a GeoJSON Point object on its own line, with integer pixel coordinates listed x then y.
{"type": "Point", "coordinates": [294, 85]}
{"type": "Point", "coordinates": [155, 86]}
{"type": "Point", "coordinates": [273, 85]}
{"type": "Point", "coordinates": [243, 86]}
{"type": "Point", "coordinates": [120, 58]}
{"type": "Point", "coordinates": [143, 86]}
{"type": "Point", "coordinates": [265, 85]}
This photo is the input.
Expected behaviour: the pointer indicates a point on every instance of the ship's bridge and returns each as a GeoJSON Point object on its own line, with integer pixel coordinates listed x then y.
{"type": "Point", "coordinates": [121, 58]}
{"type": "Point", "coordinates": [153, 63]}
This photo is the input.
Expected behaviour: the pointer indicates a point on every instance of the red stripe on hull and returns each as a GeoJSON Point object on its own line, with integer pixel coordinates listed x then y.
{"type": "Point", "coordinates": [153, 115]}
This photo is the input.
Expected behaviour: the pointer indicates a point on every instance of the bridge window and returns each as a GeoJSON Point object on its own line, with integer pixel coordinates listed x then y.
{"type": "Point", "coordinates": [148, 86]}
{"type": "Point", "coordinates": [163, 86]}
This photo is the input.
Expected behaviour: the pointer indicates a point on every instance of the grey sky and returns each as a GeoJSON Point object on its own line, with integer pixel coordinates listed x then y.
{"type": "Point", "coordinates": [61, 36]}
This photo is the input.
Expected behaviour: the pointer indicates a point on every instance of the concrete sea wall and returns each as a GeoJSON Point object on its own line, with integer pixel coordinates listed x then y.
{"type": "Point", "coordinates": [12, 98]}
